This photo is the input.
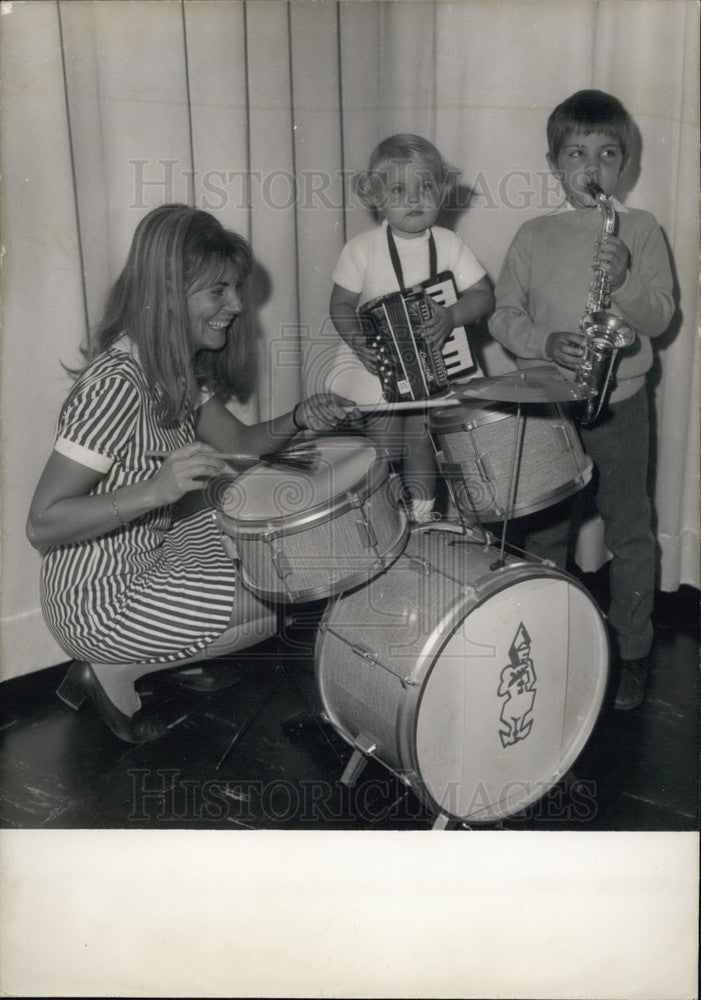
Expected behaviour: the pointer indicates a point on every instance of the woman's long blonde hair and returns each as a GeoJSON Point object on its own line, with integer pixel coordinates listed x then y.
{"type": "Point", "coordinates": [174, 249]}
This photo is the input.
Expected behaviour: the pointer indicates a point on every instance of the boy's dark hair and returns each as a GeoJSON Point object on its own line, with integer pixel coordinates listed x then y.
{"type": "Point", "coordinates": [589, 111]}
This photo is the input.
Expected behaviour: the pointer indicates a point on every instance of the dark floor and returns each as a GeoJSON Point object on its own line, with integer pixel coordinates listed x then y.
{"type": "Point", "coordinates": [64, 769]}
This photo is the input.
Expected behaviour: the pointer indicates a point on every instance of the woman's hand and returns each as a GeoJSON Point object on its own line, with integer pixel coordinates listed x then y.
{"type": "Point", "coordinates": [65, 510]}
{"type": "Point", "coordinates": [324, 411]}
{"type": "Point", "coordinates": [185, 470]}
{"type": "Point", "coordinates": [565, 348]}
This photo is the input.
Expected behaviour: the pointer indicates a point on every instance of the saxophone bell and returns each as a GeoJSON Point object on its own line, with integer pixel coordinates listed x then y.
{"type": "Point", "coordinates": [605, 335]}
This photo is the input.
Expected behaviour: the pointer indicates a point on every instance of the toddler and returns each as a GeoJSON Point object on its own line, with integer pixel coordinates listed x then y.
{"type": "Point", "coordinates": [406, 184]}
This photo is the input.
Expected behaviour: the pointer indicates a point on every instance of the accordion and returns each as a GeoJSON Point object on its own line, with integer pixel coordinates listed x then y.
{"type": "Point", "coordinates": [409, 367]}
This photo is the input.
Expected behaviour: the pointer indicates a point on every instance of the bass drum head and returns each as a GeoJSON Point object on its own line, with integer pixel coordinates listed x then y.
{"type": "Point", "coordinates": [511, 698]}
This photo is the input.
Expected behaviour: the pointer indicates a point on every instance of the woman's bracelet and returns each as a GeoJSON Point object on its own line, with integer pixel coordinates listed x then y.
{"type": "Point", "coordinates": [294, 418]}
{"type": "Point", "coordinates": [116, 511]}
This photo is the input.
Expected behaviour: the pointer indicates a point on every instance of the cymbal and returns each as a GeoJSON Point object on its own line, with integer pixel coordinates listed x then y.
{"type": "Point", "coordinates": [525, 386]}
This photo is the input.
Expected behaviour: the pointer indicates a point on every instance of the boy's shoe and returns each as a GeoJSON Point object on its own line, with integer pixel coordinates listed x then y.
{"type": "Point", "coordinates": [632, 684]}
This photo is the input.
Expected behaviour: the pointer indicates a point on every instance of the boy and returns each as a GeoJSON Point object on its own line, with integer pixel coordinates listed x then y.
{"type": "Point", "coordinates": [541, 295]}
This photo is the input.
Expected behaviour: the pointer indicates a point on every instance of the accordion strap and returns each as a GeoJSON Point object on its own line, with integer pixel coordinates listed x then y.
{"type": "Point", "coordinates": [397, 264]}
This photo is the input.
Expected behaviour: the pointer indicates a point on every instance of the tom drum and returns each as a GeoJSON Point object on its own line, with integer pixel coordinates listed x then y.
{"type": "Point", "coordinates": [306, 534]}
{"type": "Point", "coordinates": [481, 454]}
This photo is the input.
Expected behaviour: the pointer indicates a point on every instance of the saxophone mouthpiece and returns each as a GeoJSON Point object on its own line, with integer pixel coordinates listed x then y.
{"type": "Point", "coordinates": [595, 191]}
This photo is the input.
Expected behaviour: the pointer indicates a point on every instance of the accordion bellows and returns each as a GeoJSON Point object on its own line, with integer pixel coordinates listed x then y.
{"type": "Point", "coordinates": [410, 368]}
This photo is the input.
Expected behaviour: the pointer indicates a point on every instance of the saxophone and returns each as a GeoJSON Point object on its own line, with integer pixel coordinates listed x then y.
{"type": "Point", "coordinates": [605, 333]}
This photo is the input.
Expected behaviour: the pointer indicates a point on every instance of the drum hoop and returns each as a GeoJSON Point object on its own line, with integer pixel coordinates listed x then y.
{"type": "Point", "coordinates": [289, 524]}
{"type": "Point", "coordinates": [410, 706]}
{"type": "Point", "coordinates": [346, 583]}
{"type": "Point", "coordinates": [567, 489]}
{"type": "Point", "coordinates": [454, 420]}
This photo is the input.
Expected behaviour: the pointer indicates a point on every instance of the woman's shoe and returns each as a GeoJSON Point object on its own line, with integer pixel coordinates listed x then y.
{"type": "Point", "coordinates": [80, 683]}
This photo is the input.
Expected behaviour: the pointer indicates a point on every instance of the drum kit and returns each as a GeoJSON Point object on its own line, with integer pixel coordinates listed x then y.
{"type": "Point", "coordinates": [474, 675]}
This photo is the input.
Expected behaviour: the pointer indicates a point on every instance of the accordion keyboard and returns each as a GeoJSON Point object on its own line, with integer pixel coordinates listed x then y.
{"type": "Point", "coordinates": [456, 349]}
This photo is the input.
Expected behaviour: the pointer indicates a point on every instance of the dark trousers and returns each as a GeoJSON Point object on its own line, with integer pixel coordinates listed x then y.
{"type": "Point", "coordinates": [618, 445]}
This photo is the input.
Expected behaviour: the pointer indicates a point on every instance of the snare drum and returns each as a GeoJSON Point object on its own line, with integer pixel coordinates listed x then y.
{"type": "Point", "coordinates": [477, 442]}
{"type": "Point", "coordinates": [477, 684]}
{"type": "Point", "coordinates": [306, 534]}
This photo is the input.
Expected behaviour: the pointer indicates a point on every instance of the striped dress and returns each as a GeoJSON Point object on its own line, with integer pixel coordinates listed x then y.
{"type": "Point", "coordinates": [160, 589]}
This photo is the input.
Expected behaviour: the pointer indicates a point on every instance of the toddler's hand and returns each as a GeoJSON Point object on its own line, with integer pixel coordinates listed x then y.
{"type": "Point", "coordinates": [366, 354]}
{"type": "Point", "coordinates": [565, 348]}
{"type": "Point", "coordinates": [613, 256]}
{"type": "Point", "coordinates": [439, 326]}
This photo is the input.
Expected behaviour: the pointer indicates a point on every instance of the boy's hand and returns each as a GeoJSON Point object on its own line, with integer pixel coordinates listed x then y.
{"type": "Point", "coordinates": [565, 348]}
{"type": "Point", "coordinates": [439, 326]}
{"type": "Point", "coordinates": [613, 256]}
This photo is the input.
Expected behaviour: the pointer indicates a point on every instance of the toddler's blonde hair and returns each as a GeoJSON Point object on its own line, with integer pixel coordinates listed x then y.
{"type": "Point", "coordinates": [402, 148]}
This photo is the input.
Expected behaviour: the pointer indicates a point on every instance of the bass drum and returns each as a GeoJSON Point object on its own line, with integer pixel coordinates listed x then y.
{"type": "Point", "coordinates": [477, 682]}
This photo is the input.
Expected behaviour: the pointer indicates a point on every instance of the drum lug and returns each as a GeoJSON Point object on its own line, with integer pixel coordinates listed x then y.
{"type": "Point", "coordinates": [281, 564]}
{"type": "Point", "coordinates": [485, 469]}
{"type": "Point", "coordinates": [366, 532]}
{"type": "Point", "coordinates": [419, 564]}
{"type": "Point", "coordinates": [562, 431]}
{"type": "Point", "coordinates": [362, 651]}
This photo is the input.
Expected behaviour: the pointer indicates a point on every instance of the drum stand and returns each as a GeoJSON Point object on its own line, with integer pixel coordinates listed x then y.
{"type": "Point", "coordinates": [280, 675]}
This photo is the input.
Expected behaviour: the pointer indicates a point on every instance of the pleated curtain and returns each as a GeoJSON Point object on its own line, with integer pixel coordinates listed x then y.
{"type": "Point", "coordinates": [260, 112]}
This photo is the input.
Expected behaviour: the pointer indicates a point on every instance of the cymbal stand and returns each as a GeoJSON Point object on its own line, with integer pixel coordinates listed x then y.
{"type": "Point", "coordinates": [513, 483]}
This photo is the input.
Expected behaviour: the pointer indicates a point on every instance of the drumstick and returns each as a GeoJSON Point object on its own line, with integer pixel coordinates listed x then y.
{"type": "Point", "coordinates": [298, 457]}
{"type": "Point", "coordinates": [239, 457]}
{"type": "Point", "coordinates": [406, 404]}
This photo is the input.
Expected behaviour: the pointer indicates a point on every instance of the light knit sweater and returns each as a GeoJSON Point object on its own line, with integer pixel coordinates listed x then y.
{"type": "Point", "coordinates": [545, 279]}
